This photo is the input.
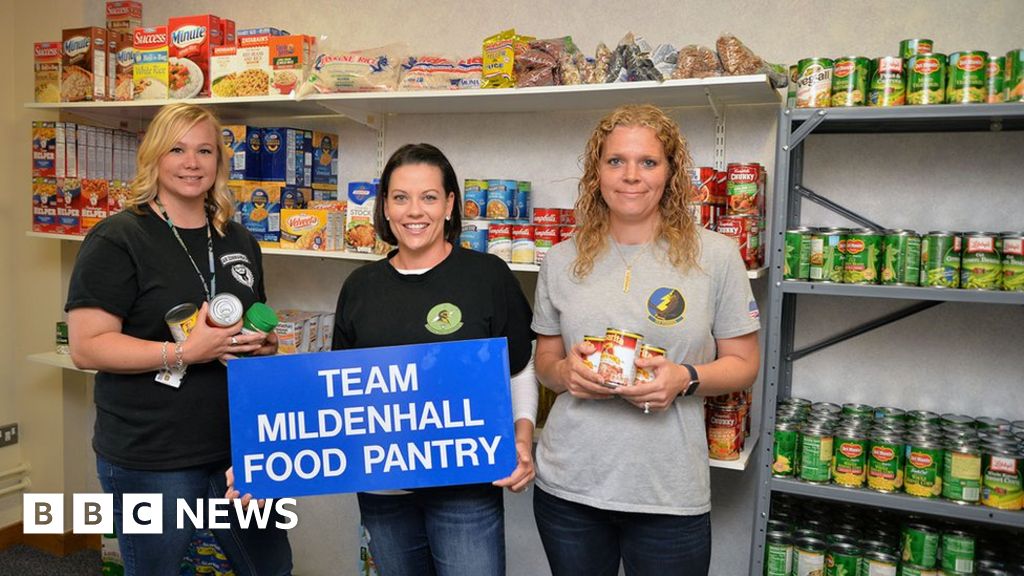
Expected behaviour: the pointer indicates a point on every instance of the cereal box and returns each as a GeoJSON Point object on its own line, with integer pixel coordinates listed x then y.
{"type": "Point", "coordinates": [290, 59]}
{"type": "Point", "coordinates": [190, 42]}
{"type": "Point", "coordinates": [150, 71]}
{"type": "Point", "coordinates": [124, 16]}
{"type": "Point", "coordinates": [47, 69]}
{"type": "Point", "coordinates": [95, 192]}
{"type": "Point", "coordinates": [325, 158]}
{"type": "Point", "coordinates": [44, 205]}
{"type": "Point", "coordinates": [259, 207]}
{"type": "Point", "coordinates": [281, 155]}
{"type": "Point", "coordinates": [124, 69]}
{"type": "Point", "coordinates": [84, 65]}
{"type": "Point", "coordinates": [359, 232]}
{"type": "Point", "coordinates": [242, 70]}
{"type": "Point", "coordinates": [69, 206]}
{"type": "Point", "coordinates": [244, 144]}
{"type": "Point", "coordinates": [44, 149]}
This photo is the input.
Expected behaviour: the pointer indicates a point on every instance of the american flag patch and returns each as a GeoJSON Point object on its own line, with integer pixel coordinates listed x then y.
{"type": "Point", "coordinates": [752, 310]}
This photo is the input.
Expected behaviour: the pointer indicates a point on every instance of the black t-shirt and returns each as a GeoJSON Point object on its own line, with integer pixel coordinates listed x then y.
{"type": "Point", "coordinates": [468, 295]}
{"type": "Point", "coordinates": [133, 267]}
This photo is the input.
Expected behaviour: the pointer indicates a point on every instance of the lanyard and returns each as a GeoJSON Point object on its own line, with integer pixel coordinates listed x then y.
{"type": "Point", "coordinates": [212, 288]}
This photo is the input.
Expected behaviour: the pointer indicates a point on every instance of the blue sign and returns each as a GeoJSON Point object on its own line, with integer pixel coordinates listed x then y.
{"type": "Point", "coordinates": [371, 419]}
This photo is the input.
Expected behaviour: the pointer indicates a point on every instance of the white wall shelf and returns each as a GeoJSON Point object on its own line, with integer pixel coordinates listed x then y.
{"type": "Point", "coordinates": [58, 360]}
{"type": "Point", "coordinates": [744, 459]}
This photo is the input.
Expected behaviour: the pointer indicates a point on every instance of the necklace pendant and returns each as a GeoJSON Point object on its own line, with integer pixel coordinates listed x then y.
{"type": "Point", "coordinates": [625, 281]}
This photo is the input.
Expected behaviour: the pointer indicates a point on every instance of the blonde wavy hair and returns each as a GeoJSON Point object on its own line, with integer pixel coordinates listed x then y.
{"type": "Point", "coordinates": [164, 132]}
{"type": "Point", "coordinates": [677, 228]}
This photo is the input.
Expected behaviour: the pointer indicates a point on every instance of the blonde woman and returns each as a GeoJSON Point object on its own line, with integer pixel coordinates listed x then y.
{"type": "Point", "coordinates": [175, 243]}
{"type": "Point", "coordinates": [622, 473]}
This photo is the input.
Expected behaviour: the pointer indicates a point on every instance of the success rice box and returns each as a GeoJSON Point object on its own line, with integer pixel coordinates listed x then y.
{"type": "Point", "coordinates": [47, 71]}
{"type": "Point", "coordinates": [124, 16]}
{"type": "Point", "coordinates": [149, 46]}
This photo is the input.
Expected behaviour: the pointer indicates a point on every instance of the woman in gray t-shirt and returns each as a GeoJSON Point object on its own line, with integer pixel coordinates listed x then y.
{"type": "Point", "coordinates": [622, 473]}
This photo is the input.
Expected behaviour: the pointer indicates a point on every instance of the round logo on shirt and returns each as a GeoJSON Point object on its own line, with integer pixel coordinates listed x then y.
{"type": "Point", "coordinates": [444, 318]}
{"type": "Point", "coordinates": [243, 275]}
{"type": "Point", "coordinates": [666, 306]}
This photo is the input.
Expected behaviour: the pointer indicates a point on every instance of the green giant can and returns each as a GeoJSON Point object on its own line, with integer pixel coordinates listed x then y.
{"type": "Point", "coordinates": [863, 259]}
{"type": "Point", "coordinates": [842, 559]}
{"type": "Point", "coordinates": [1013, 76]}
{"type": "Point", "coordinates": [797, 264]}
{"type": "Point", "coordinates": [940, 259]}
{"type": "Point", "coordinates": [1013, 261]}
{"type": "Point", "coordinates": [778, 554]}
{"type": "Point", "coordinates": [901, 258]}
{"type": "Point", "coordinates": [995, 75]}
{"type": "Point", "coordinates": [913, 46]}
{"type": "Point", "coordinates": [926, 79]}
{"type": "Point", "coordinates": [957, 552]}
{"type": "Point", "coordinates": [850, 81]}
{"type": "Point", "coordinates": [827, 256]}
{"type": "Point", "coordinates": [888, 86]}
{"type": "Point", "coordinates": [920, 545]}
{"type": "Point", "coordinates": [981, 264]}
{"type": "Point", "coordinates": [966, 81]}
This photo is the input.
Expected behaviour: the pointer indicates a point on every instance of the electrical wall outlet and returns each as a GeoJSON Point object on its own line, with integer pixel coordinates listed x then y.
{"type": "Point", "coordinates": [8, 434]}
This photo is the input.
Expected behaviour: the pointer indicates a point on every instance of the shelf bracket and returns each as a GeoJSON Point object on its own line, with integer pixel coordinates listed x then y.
{"type": "Point", "coordinates": [381, 133]}
{"type": "Point", "coordinates": [368, 119]}
{"type": "Point", "coordinates": [838, 209]}
{"type": "Point", "coordinates": [719, 130]}
{"type": "Point", "coordinates": [805, 129]}
{"type": "Point", "coordinates": [861, 329]}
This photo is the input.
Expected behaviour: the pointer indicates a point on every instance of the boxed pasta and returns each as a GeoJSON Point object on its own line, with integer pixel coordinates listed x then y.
{"type": "Point", "coordinates": [69, 206]}
{"type": "Point", "coordinates": [309, 229]}
{"type": "Point", "coordinates": [281, 155]}
{"type": "Point", "coordinates": [47, 71]}
{"type": "Point", "coordinates": [124, 69]}
{"type": "Point", "coordinates": [244, 145]}
{"type": "Point", "coordinates": [44, 149]}
{"type": "Point", "coordinates": [359, 231]}
{"type": "Point", "coordinates": [294, 197]}
{"type": "Point", "coordinates": [95, 192]}
{"type": "Point", "coordinates": [84, 65]}
{"type": "Point", "coordinates": [191, 40]}
{"type": "Point", "coordinates": [325, 158]}
{"type": "Point", "coordinates": [242, 70]}
{"type": "Point", "coordinates": [259, 208]}
{"type": "Point", "coordinates": [151, 67]}
{"type": "Point", "coordinates": [290, 59]}
{"type": "Point", "coordinates": [124, 16]}
{"type": "Point", "coordinates": [44, 205]}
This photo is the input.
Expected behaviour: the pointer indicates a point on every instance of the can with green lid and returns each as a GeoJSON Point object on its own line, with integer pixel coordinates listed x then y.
{"type": "Point", "coordinates": [863, 260]}
{"type": "Point", "coordinates": [778, 554]}
{"type": "Point", "coordinates": [961, 472]}
{"type": "Point", "coordinates": [1013, 261]}
{"type": "Point", "coordinates": [957, 552]}
{"type": "Point", "coordinates": [912, 46]}
{"type": "Point", "coordinates": [854, 409]}
{"type": "Point", "coordinates": [850, 78]}
{"type": "Point", "coordinates": [920, 545]}
{"type": "Point", "coordinates": [989, 423]}
{"type": "Point", "coordinates": [797, 264]}
{"type": "Point", "coordinates": [890, 412]}
{"type": "Point", "coordinates": [918, 416]}
{"type": "Point", "coordinates": [995, 75]}
{"type": "Point", "coordinates": [966, 81]}
{"type": "Point", "coordinates": [259, 318]}
{"type": "Point", "coordinates": [926, 79]}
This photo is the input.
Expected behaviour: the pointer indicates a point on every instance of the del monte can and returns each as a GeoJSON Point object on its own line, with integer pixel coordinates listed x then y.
{"type": "Point", "coordinates": [966, 81]}
{"type": "Point", "coordinates": [850, 81]}
{"type": "Point", "coordinates": [926, 79]}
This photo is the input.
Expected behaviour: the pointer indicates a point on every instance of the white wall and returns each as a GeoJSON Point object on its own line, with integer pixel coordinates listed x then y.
{"type": "Point", "coordinates": [544, 148]}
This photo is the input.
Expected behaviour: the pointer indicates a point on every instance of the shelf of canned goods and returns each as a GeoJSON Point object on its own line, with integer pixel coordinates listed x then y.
{"type": "Point", "coordinates": [984, 499]}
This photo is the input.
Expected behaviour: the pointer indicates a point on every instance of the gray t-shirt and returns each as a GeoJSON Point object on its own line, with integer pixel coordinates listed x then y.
{"type": "Point", "coordinates": [607, 453]}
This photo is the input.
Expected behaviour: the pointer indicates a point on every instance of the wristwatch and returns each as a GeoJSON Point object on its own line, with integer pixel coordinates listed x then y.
{"type": "Point", "coordinates": [691, 387]}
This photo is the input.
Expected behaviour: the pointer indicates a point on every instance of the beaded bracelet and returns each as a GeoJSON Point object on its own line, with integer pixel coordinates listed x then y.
{"type": "Point", "coordinates": [163, 356]}
{"type": "Point", "coordinates": [179, 356]}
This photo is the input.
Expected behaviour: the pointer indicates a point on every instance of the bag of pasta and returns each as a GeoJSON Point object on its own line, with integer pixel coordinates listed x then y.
{"type": "Point", "coordinates": [695, 61]}
{"type": "Point", "coordinates": [376, 69]}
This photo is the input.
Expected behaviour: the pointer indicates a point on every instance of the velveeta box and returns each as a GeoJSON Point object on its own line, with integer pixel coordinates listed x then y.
{"type": "Point", "coordinates": [244, 145]}
{"type": "Point", "coordinates": [44, 149]}
{"type": "Point", "coordinates": [259, 206]}
{"type": "Point", "coordinates": [47, 71]}
{"type": "Point", "coordinates": [359, 233]}
{"type": "Point", "coordinates": [325, 159]}
{"type": "Point", "coordinates": [124, 16]}
{"type": "Point", "coordinates": [149, 46]}
{"type": "Point", "coordinates": [84, 65]}
{"type": "Point", "coordinates": [318, 229]}
{"type": "Point", "coordinates": [95, 194]}
{"type": "Point", "coordinates": [191, 40]}
{"type": "Point", "coordinates": [69, 206]}
{"type": "Point", "coordinates": [290, 59]}
{"type": "Point", "coordinates": [44, 205]}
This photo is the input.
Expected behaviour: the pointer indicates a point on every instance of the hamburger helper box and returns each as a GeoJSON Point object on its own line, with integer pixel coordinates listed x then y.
{"type": "Point", "coordinates": [149, 46]}
{"type": "Point", "coordinates": [190, 42]}
{"type": "Point", "coordinates": [84, 65]}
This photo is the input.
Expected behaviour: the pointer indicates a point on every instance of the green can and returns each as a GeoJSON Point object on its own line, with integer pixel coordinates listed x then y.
{"type": "Point", "coordinates": [863, 260]}
{"type": "Point", "coordinates": [1013, 76]}
{"type": "Point", "coordinates": [961, 472]}
{"type": "Point", "coordinates": [995, 76]}
{"type": "Point", "coordinates": [883, 412]}
{"type": "Point", "coordinates": [1013, 261]}
{"type": "Point", "coordinates": [842, 559]}
{"type": "Point", "coordinates": [878, 563]}
{"type": "Point", "coordinates": [901, 261]}
{"type": "Point", "coordinates": [981, 261]}
{"type": "Point", "coordinates": [778, 554]}
{"type": "Point", "coordinates": [965, 83]}
{"type": "Point", "coordinates": [850, 81]}
{"type": "Point", "coordinates": [797, 264]}
{"type": "Point", "coordinates": [922, 475]}
{"type": "Point", "coordinates": [791, 87]}
{"type": "Point", "coordinates": [1001, 480]}
{"type": "Point", "coordinates": [913, 570]}
{"type": "Point", "coordinates": [913, 46]}
{"type": "Point", "coordinates": [940, 259]}
{"type": "Point", "coordinates": [885, 461]}
{"type": "Point", "coordinates": [784, 449]}
{"type": "Point", "coordinates": [888, 86]}
{"type": "Point", "coordinates": [852, 409]}
{"type": "Point", "coordinates": [808, 557]}
{"type": "Point", "coordinates": [826, 408]}
{"type": "Point", "coordinates": [827, 256]}
{"type": "Point", "coordinates": [816, 454]}
{"type": "Point", "coordinates": [957, 552]}
{"type": "Point", "coordinates": [915, 417]}
{"type": "Point", "coordinates": [989, 423]}
{"type": "Point", "coordinates": [814, 83]}
{"type": "Point", "coordinates": [849, 458]}
{"type": "Point", "coordinates": [926, 79]}
{"type": "Point", "coordinates": [920, 545]}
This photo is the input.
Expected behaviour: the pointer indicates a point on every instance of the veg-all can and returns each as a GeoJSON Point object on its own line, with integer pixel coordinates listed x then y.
{"type": "Point", "coordinates": [849, 460]}
{"type": "Point", "coordinates": [926, 79]}
{"type": "Point", "coordinates": [901, 260]}
{"type": "Point", "coordinates": [981, 264]}
{"type": "Point", "coordinates": [778, 554]}
{"type": "Point", "coordinates": [1013, 261]}
{"type": "Point", "coordinates": [961, 472]}
{"type": "Point", "coordinates": [850, 81]}
{"type": "Point", "coordinates": [181, 320]}
{"type": "Point", "coordinates": [966, 81]}
{"type": "Point", "coordinates": [814, 83]}
{"type": "Point", "coordinates": [618, 356]}
{"type": "Point", "coordinates": [878, 563]}
{"type": "Point", "coordinates": [957, 552]}
{"type": "Point", "coordinates": [1013, 83]}
{"type": "Point", "coordinates": [842, 559]}
{"type": "Point", "coordinates": [863, 258]}
{"type": "Point", "coordinates": [887, 82]}
{"type": "Point", "coordinates": [922, 475]}
{"type": "Point", "coordinates": [784, 449]}
{"type": "Point", "coordinates": [913, 46]}
{"type": "Point", "coordinates": [827, 257]}
{"type": "Point", "coordinates": [885, 461]}
{"type": "Point", "coordinates": [808, 557]}
{"type": "Point", "coordinates": [920, 545]}
{"type": "Point", "coordinates": [594, 359]}
{"type": "Point", "coordinates": [797, 264]}
{"type": "Point", "coordinates": [940, 259]}
{"type": "Point", "coordinates": [995, 76]}
{"type": "Point", "coordinates": [816, 443]}
{"type": "Point", "coordinates": [648, 351]}
{"type": "Point", "coordinates": [1001, 477]}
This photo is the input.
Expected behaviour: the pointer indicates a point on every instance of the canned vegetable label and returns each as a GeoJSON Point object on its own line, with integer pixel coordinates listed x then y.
{"type": "Point", "coordinates": [885, 465]}
{"type": "Point", "coordinates": [1001, 480]}
{"type": "Point", "coordinates": [1013, 84]}
{"type": "Point", "coordinates": [842, 560]}
{"type": "Point", "coordinates": [849, 463]}
{"type": "Point", "coordinates": [901, 263]}
{"type": "Point", "coordinates": [966, 81]}
{"type": "Point", "coordinates": [808, 557]}
{"type": "Point", "coordinates": [887, 82]}
{"type": "Point", "coordinates": [994, 79]}
{"type": "Point", "coordinates": [961, 475]}
{"type": "Point", "coordinates": [913, 46]}
{"type": "Point", "coordinates": [814, 83]}
{"type": "Point", "coordinates": [784, 443]}
{"type": "Point", "coordinates": [797, 263]}
{"type": "Point", "coordinates": [940, 260]}
{"type": "Point", "coordinates": [920, 545]}
{"type": "Point", "coordinates": [850, 81]}
{"type": "Point", "coordinates": [827, 258]}
{"type": "Point", "coordinates": [778, 555]}
{"type": "Point", "coordinates": [1013, 262]}
{"type": "Point", "coordinates": [958, 552]}
{"type": "Point", "coordinates": [922, 476]}
{"type": "Point", "coordinates": [816, 456]}
{"type": "Point", "coordinates": [926, 79]}
{"type": "Point", "coordinates": [863, 257]}
{"type": "Point", "coordinates": [981, 264]}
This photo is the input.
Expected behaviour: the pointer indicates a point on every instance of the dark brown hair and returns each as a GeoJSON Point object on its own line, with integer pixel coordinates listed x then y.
{"type": "Point", "coordinates": [420, 154]}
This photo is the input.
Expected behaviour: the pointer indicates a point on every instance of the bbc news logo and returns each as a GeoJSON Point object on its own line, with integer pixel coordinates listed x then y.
{"type": "Point", "coordinates": [143, 514]}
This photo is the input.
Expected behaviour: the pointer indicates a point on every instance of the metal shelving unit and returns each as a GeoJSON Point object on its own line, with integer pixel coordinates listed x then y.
{"type": "Point", "coordinates": [793, 127]}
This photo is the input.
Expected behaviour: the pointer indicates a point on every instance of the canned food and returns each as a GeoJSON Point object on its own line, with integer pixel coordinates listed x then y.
{"type": "Point", "coordinates": [501, 199]}
{"type": "Point", "coordinates": [826, 408]}
{"type": "Point", "coordinates": [814, 83]}
{"type": "Point", "coordinates": [920, 545]}
{"type": "Point", "coordinates": [850, 81]}
{"type": "Point", "coordinates": [544, 237]}
{"type": "Point", "coordinates": [797, 262]}
{"type": "Point", "coordinates": [725, 431]}
{"type": "Point", "coordinates": [816, 454]}
{"type": "Point", "coordinates": [778, 554]}
{"type": "Point", "coordinates": [1013, 84]}
{"type": "Point", "coordinates": [474, 235]}
{"type": "Point", "coordinates": [181, 319]}
{"type": "Point", "coordinates": [743, 186]}
{"type": "Point", "coordinates": [981, 264]}
{"type": "Point", "coordinates": [887, 82]}
{"type": "Point", "coordinates": [784, 449]}
{"type": "Point", "coordinates": [919, 416]}
{"type": "Point", "coordinates": [994, 79]}
{"type": "Point", "coordinates": [566, 217]}
{"type": "Point", "coordinates": [594, 359]}
{"type": "Point", "coordinates": [648, 351]}
{"type": "Point", "coordinates": [499, 240]}
{"type": "Point", "coordinates": [849, 462]}
{"type": "Point", "coordinates": [566, 232]}
{"type": "Point", "coordinates": [842, 559]}
{"type": "Point", "coordinates": [474, 199]}
{"type": "Point", "coordinates": [957, 552]}
{"type": "Point", "coordinates": [989, 423]}
{"type": "Point", "coordinates": [883, 412]}
{"type": "Point", "coordinates": [618, 356]}
{"type": "Point", "coordinates": [863, 261]}
{"type": "Point", "coordinates": [913, 570]}
{"type": "Point", "coordinates": [966, 81]}
{"type": "Point", "coordinates": [745, 230]}
{"type": "Point", "coordinates": [940, 259]}
{"type": "Point", "coordinates": [827, 257]}
{"type": "Point", "coordinates": [913, 46]}
{"type": "Point", "coordinates": [878, 563]}
{"type": "Point", "coordinates": [922, 476]}
{"type": "Point", "coordinates": [926, 79]}
{"type": "Point", "coordinates": [808, 557]}
{"type": "Point", "coordinates": [225, 310]}
{"type": "Point", "coordinates": [1013, 261]}
{"type": "Point", "coordinates": [546, 216]}
{"type": "Point", "coordinates": [1001, 477]}
{"type": "Point", "coordinates": [885, 461]}
{"type": "Point", "coordinates": [521, 200]}
{"type": "Point", "coordinates": [523, 247]}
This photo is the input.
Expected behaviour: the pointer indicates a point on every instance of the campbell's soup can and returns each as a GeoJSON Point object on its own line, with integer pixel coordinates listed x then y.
{"type": "Point", "coordinates": [618, 357]}
{"type": "Point", "coordinates": [744, 229]}
{"type": "Point", "coordinates": [501, 196]}
{"type": "Point", "coordinates": [181, 320]}
{"type": "Point", "coordinates": [547, 216]}
{"type": "Point", "coordinates": [566, 232]}
{"type": "Point", "coordinates": [703, 214]}
{"type": "Point", "coordinates": [521, 200]}
{"type": "Point", "coordinates": [744, 186]}
{"type": "Point", "coordinates": [499, 240]}
{"type": "Point", "coordinates": [544, 237]}
{"type": "Point", "coordinates": [704, 181]}
{"type": "Point", "coordinates": [648, 351]}
{"type": "Point", "coordinates": [474, 235]}
{"type": "Point", "coordinates": [567, 217]}
{"type": "Point", "coordinates": [474, 199]}
{"type": "Point", "coordinates": [725, 431]}
{"type": "Point", "coordinates": [523, 249]}
{"type": "Point", "coordinates": [594, 359]}
{"type": "Point", "coordinates": [225, 309]}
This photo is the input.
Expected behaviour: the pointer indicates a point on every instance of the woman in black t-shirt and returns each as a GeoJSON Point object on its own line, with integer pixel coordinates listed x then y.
{"type": "Point", "coordinates": [161, 406]}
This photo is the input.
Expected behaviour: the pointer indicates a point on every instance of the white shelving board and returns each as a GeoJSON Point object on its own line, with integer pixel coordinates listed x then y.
{"type": "Point", "coordinates": [58, 360]}
{"type": "Point", "coordinates": [741, 463]}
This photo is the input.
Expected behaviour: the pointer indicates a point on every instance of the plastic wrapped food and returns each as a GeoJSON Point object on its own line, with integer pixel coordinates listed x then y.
{"type": "Point", "coordinates": [426, 73]}
{"type": "Point", "coordinates": [664, 59]}
{"type": "Point", "coordinates": [363, 70]}
{"type": "Point", "coordinates": [498, 60]}
{"type": "Point", "coordinates": [602, 61]}
{"type": "Point", "coordinates": [695, 61]}
{"type": "Point", "coordinates": [736, 58]}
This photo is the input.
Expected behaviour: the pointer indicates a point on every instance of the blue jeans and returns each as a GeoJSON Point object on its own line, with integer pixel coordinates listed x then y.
{"type": "Point", "coordinates": [252, 552]}
{"type": "Point", "coordinates": [586, 541]}
{"type": "Point", "coordinates": [446, 531]}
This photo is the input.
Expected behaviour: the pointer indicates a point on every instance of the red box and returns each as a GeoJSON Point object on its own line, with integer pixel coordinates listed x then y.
{"type": "Point", "coordinates": [190, 40]}
{"type": "Point", "coordinates": [94, 207]}
{"type": "Point", "coordinates": [69, 206]}
{"type": "Point", "coordinates": [124, 16]}
{"type": "Point", "coordinates": [227, 32]}
{"type": "Point", "coordinates": [44, 205]}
